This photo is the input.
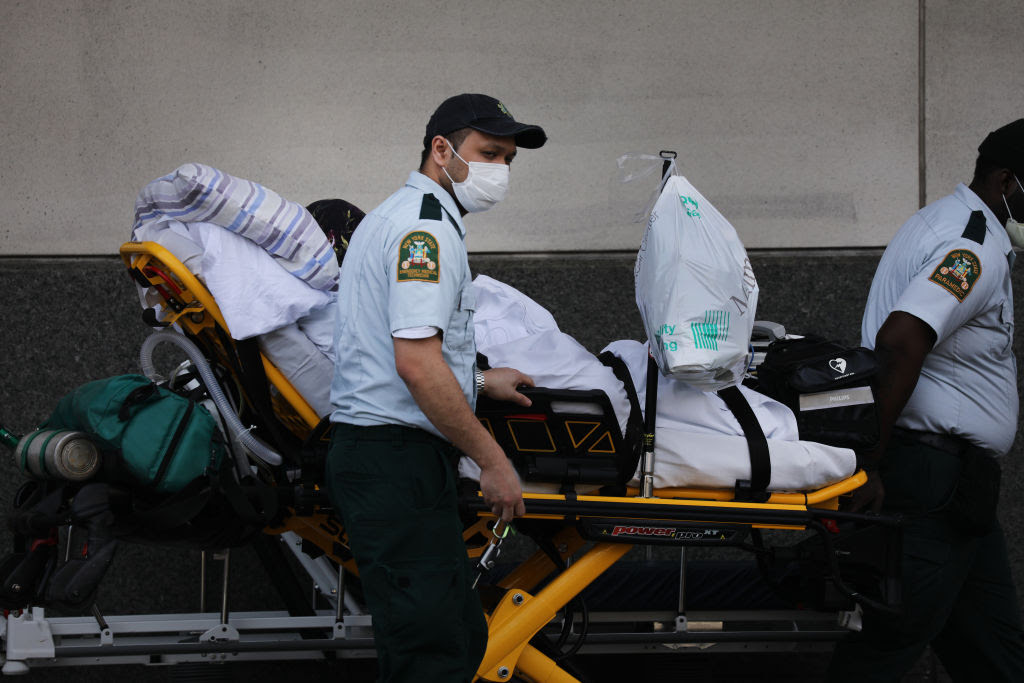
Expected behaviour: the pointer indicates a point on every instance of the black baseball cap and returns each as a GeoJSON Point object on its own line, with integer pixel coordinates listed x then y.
{"type": "Point", "coordinates": [484, 114]}
{"type": "Point", "coordinates": [1005, 147]}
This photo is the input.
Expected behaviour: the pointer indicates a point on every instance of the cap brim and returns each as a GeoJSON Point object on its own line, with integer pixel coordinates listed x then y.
{"type": "Point", "coordinates": [526, 136]}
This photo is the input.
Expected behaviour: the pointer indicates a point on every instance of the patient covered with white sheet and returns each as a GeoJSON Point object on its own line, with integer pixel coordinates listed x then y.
{"type": "Point", "coordinates": [698, 442]}
{"type": "Point", "coordinates": [274, 276]}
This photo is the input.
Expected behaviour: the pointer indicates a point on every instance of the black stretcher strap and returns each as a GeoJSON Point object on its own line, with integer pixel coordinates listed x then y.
{"type": "Point", "coordinates": [756, 489]}
{"type": "Point", "coordinates": [635, 423]}
{"type": "Point", "coordinates": [257, 387]}
{"type": "Point", "coordinates": [651, 407]}
{"type": "Point", "coordinates": [240, 492]}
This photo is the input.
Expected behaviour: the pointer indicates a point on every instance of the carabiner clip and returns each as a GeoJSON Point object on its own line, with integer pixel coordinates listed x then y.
{"type": "Point", "coordinates": [506, 529]}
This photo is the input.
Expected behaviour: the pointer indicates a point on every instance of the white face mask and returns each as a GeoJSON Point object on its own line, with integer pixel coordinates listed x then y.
{"type": "Point", "coordinates": [1014, 229]}
{"type": "Point", "coordinates": [484, 186]}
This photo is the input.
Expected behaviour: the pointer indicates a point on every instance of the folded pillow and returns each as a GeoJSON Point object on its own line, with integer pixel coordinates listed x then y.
{"type": "Point", "coordinates": [199, 193]}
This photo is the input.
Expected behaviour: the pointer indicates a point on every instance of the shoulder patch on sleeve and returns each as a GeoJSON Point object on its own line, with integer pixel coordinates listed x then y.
{"type": "Point", "coordinates": [975, 230]}
{"type": "Point", "coordinates": [957, 273]}
{"type": "Point", "coordinates": [419, 257]}
{"type": "Point", "coordinates": [430, 208]}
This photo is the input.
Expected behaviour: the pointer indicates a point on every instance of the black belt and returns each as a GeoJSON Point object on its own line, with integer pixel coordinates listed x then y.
{"type": "Point", "coordinates": [394, 432]}
{"type": "Point", "coordinates": [947, 443]}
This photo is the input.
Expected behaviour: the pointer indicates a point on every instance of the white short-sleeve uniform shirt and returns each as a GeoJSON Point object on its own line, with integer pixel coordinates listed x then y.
{"type": "Point", "coordinates": [949, 265]}
{"type": "Point", "coordinates": [406, 267]}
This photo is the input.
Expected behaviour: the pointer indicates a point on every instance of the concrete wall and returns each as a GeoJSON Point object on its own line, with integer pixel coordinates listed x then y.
{"type": "Point", "coordinates": [798, 118]}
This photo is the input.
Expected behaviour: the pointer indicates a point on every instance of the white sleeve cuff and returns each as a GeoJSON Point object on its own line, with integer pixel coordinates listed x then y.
{"type": "Point", "coordinates": [421, 332]}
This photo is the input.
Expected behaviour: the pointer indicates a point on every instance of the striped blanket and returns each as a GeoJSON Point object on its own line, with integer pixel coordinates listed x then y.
{"type": "Point", "coordinates": [198, 193]}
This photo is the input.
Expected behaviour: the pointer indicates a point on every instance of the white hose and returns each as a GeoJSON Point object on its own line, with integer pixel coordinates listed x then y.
{"type": "Point", "coordinates": [240, 433]}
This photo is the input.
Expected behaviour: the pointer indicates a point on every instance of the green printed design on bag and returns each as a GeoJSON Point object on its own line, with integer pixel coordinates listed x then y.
{"type": "Point", "coordinates": [714, 329]}
{"type": "Point", "coordinates": [690, 206]}
{"type": "Point", "coordinates": [162, 439]}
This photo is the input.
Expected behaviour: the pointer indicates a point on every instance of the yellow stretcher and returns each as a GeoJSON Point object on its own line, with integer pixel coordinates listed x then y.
{"type": "Point", "coordinates": [585, 533]}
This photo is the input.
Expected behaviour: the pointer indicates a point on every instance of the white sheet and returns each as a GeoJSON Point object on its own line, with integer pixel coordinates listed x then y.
{"type": "Point", "coordinates": [258, 297]}
{"type": "Point", "coordinates": [695, 460]}
{"type": "Point", "coordinates": [504, 314]}
{"type": "Point", "coordinates": [254, 292]}
{"type": "Point", "coordinates": [557, 361]}
{"type": "Point", "coordinates": [699, 444]}
{"type": "Point", "coordinates": [686, 409]}
{"type": "Point", "coordinates": [296, 350]}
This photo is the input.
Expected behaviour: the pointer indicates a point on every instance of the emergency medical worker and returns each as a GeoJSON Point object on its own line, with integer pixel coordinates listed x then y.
{"type": "Point", "coordinates": [940, 317]}
{"type": "Point", "coordinates": [404, 391]}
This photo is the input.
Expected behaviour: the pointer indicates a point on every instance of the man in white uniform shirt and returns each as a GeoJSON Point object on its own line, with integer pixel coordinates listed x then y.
{"type": "Point", "coordinates": [404, 391]}
{"type": "Point", "coordinates": [940, 317]}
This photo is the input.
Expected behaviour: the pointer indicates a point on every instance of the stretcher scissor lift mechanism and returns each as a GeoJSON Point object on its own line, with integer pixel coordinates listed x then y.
{"type": "Point", "coordinates": [581, 536]}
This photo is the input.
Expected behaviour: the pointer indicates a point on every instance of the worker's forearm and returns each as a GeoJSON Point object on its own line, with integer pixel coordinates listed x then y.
{"type": "Point", "coordinates": [439, 396]}
{"type": "Point", "coordinates": [896, 383]}
{"type": "Point", "coordinates": [442, 401]}
{"type": "Point", "coordinates": [421, 366]}
{"type": "Point", "coordinates": [901, 352]}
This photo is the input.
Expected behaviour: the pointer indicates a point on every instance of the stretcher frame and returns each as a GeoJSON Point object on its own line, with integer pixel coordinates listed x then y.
{"type": "Point", "coordinates": [530, 603]}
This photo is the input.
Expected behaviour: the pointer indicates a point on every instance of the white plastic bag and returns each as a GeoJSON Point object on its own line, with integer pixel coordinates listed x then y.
{"type": "Point", "coordinates": [695, 289]}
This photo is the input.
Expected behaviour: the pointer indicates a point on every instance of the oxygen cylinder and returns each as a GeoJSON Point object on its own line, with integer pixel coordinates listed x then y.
{"type": "Point", "coordinates": [57, 454]}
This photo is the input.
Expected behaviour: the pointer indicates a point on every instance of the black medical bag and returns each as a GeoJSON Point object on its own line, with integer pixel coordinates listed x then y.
{"type": "Point", "coordinates": [828, 386]}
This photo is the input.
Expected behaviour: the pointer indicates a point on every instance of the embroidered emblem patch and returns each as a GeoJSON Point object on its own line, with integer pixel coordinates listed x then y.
{"type": "Point", "coordinates": [418, 258]}
{"type": "Point", "coordinates": [957, 273]}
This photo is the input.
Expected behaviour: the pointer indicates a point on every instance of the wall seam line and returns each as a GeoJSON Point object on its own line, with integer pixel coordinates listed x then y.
{"type": "Point", "coordinates": [922, 171]}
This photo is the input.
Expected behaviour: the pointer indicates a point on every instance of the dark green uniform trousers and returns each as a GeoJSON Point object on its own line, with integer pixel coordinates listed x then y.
{"type": "Point", "coordinates": [958, 592]}
{"type": "Point", "coordinates": [394, 489]}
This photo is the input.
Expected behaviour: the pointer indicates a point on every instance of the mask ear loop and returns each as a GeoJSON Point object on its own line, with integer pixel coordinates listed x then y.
{"type": "Point", "coordinates": [445, 168]}
{"type": "Point", "coordinates": [452, 148]}
{"type": "Point", "coordinates": [1007, 205]}
{"type": "Point", "coordinates": [1014, 230]}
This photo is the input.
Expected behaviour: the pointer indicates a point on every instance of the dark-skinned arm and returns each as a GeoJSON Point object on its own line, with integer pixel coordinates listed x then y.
{"type": "Point", "coordinates": [901, 345]}
{"type": "Point", "coordinates": [420, 363]}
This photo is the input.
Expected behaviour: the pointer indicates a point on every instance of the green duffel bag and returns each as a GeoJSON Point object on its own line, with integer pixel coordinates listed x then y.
{"type": "Point", "coordinates": [161, 439]}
